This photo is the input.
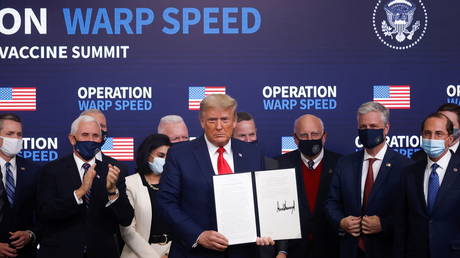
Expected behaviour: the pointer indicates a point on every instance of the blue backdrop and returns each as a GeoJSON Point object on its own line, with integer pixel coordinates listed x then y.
{"type": "Point", "coordinates": [253, 48]}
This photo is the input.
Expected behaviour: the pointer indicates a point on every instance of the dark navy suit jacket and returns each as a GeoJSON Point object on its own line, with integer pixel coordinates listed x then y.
{"type": "Point", "coordinates": [72, 230]}
{"type": "Point", "coordinates": [316, 224]}
{"type": "Point", "coordinates": [345, 200]}
{"type": "Point", "coordinates": [186, 196]}
{"type": "Point", "coordinates": [21, 216]}
{"type": "Point", "coordinates": [419, 234]}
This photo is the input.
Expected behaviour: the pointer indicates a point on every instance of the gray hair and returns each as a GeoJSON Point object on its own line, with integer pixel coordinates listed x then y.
{"type": "Point", "coordinates": [84, 118]}
{"type": "Point", "coordinates": [374, 106]}
{"type": "Point", "coordinates": [91, 111]}
{"type": "Point", "coordinates": [169, 119]}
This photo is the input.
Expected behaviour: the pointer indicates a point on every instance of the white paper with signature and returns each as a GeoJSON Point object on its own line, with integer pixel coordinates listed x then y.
{"type": "Point", "coordinates": [235, 212]}
{"type": "Point", "coordinates": [277, 203]}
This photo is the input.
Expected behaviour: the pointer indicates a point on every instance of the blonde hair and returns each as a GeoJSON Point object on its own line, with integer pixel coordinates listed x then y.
{"type": "Point", "coordinates": [218, 101]}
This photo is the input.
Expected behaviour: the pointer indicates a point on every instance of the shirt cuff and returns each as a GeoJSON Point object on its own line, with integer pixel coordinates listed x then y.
{"type": "Point", "coordinates": [196, 241]}
{"type": "Point", "coordinates": [110, 202]}
{"type": "Point", "coordinates": [79, 201]}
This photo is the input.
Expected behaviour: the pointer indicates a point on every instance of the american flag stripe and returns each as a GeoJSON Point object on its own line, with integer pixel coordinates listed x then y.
{"type": "Point", "coordinates": [18, 99]}
{"type": "Point", "coordinates": [198, 93]}
{"type": "Point", "coordinates": [120, 148]}
{"type": "Point", "coordinates": [393, 96]}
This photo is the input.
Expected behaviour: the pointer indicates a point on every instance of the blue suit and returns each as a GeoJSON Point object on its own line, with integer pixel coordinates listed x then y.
{"type": "Point", "coordinates": [417, 233]}
{"type": "Point", "coordinates": [186, 196]}
{"type": "Point", "coordinates": [345, 200]}
{"type": "Point", "coordinates": [21, 215]}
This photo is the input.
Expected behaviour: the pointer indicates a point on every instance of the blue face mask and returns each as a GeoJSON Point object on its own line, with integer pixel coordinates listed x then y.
{"type": "Point", "coordinates": [433, 148]}
{"type": "Point", "coordinates": [87, 149]}
{"type": "Point", "coordinates": [370, 138]}
{"type": "Point", "coordinates": [157, 165]}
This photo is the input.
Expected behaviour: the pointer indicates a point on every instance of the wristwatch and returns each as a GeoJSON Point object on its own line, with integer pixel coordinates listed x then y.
{"type": "Point", "coordinates": [113, 193]}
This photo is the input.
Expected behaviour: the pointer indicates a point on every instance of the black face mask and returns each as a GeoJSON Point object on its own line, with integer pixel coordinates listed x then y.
{"type": "Point", "coordinates": [254, 142]}
{"type": "Point", "coordinates": [87, 149]}
{"type": "Point", "coordinates": [310, 147]}
{"type": "Point", "coordinates": [370, 138]}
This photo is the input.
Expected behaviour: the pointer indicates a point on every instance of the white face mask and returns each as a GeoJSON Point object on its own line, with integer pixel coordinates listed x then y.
{"type": "Point", "coordinates": [157, 165]}
{"type": "Point", "coordinates": [11, 146]}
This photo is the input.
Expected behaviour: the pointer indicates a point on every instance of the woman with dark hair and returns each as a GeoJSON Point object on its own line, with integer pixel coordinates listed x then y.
{"type": "Point", "coordinates": [147, 236]}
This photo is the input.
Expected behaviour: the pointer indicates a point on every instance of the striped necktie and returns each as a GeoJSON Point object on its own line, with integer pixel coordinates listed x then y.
{"type": "Point", "coordinates": [10, 185]}
{"type": "Point", "coordinates": [87, 199]}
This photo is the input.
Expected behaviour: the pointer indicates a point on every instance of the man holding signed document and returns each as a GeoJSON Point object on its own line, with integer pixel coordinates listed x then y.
{"type": "Point", "coordinates": [186, 196]}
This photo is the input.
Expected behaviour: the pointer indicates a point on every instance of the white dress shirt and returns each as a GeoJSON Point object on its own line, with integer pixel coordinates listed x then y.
{"type": "Point", "coordinates": [228, 154]}
{"type": "Point", "coordinates": [316, 161]}
{"type": "Point", "coordinates": [375, 166]}
{"type": "Point", "coordinates": [13, 169]}
{"type": "Point", "coordinates": [441, 171]}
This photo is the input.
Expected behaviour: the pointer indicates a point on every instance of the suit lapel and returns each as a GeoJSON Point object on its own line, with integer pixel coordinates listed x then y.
{"type": "Point", "coordinates": [21, 177]}
{"type": "Point", "coordinates": [385, 169]}
{"type": "Point", "coordinates": [419, 176]}
{"type": "Point", "coordinates": [201, 154]}
{"type": "Point", "coordinates": [450, 177]}
{"type": "Point", "coordinates": [74, 172]}
{"type": "Point", "coordinates": [238, 158]}
{"type": "Point", "coordinates": [357, 171]}
{"type": "Point", "coordinates": [325, 178]}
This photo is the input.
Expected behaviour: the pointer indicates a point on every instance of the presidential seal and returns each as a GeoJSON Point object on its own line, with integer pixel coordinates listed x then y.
{"type": "Point", "coordinates": [400, 24]}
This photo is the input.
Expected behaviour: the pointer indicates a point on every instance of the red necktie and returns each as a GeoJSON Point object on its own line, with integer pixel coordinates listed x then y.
{"type": "Point", "coordinates": [367, 192]}
{"type": "Point", "coordinates": [369, 183]}
{"type": "Point", "coordinates": [222, 165]}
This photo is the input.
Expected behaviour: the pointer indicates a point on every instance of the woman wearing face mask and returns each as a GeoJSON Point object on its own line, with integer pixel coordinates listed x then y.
{"type": "Point", "coordinates": [147, 236]}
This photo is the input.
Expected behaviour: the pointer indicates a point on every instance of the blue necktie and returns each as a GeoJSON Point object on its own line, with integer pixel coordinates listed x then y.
{"type": "Point", "coordinates": [10, 186]}
{"type": "Point", "coordinates": [86, 166]}
{"type": "Point", "coordinates": [433, 187]}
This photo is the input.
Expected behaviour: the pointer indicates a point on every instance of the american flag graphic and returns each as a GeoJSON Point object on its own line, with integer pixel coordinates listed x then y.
{"type": "Point", "coordinates": [18, 99]}
{"type": "Point", "coordinates": [393, 96]}
{"type": "Point", "coordinates": [119, 148]}
{"type": "Point", "coordinates": [197, 94]}
{"type": "Point", "coordinates": [287, 144]}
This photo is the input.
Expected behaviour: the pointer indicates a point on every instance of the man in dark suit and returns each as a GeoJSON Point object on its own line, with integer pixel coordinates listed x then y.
{"type": "Point", "coordinates": [81, 201]}
{"type": "Point", "coordinates": [314, 169]}
{"type": "Point", "coordinates": [363, 189]}
{"type": "Point", "coordinates": [186, 196]}
{"type": "Point", "coordinates": [452, 111]}
{"type": "Point", "coordinates": [427, 221]}
{"type": "Point", "coordinates": [18, 185]}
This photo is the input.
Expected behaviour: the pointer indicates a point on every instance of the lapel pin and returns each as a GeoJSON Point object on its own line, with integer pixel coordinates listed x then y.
{"type": "Point", "coordinates": [455, 170]}
{"type": "Point", "coordinates": [388, 165]}
{"type": "Point", "coordinates": [241, 155]}
{"type": "Point", "coordinates": [22, 168]}
{"type": "Point", "coordinates": [98, 176]}
{"type": "Point", "coordinates": [331, 171]}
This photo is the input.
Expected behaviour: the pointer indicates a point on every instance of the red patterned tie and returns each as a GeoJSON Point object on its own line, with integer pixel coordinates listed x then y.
{"type": "Point", "coordinates": [222, 165]}
{"type": "Point", "coordinates": [367, 192]}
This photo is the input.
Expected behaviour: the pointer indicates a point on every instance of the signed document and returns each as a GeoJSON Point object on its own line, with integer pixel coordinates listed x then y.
{"type": "Point", "coordinates": [234, 198]}
{"type": "Point", "coordinates": [277, 204]}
